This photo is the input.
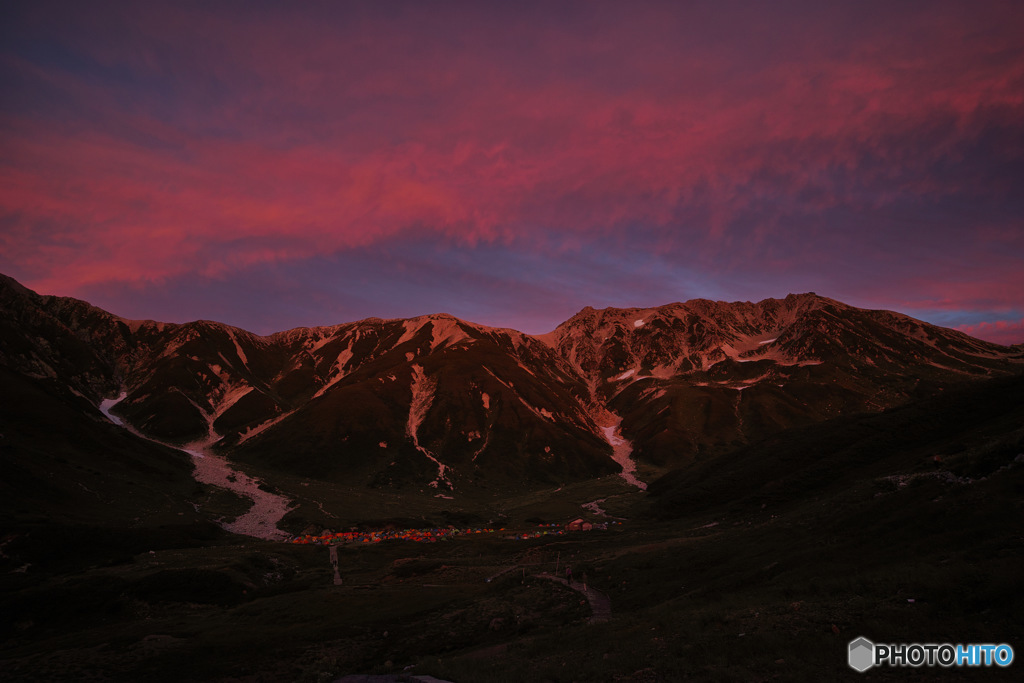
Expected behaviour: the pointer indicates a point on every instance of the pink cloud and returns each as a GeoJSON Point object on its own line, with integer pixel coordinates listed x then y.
{"type": "Point", "coordinates": [994, 285]}
{"type": "Point", "coordinates": [270, 136]}
{"type": "Point", "coordinates": [1001, 331]}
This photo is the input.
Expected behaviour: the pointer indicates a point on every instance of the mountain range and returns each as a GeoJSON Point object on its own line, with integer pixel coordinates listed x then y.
{"type": "Point", "coordinates": [814, 472]}
{"type": "Point", "coordinates": [441, 402]}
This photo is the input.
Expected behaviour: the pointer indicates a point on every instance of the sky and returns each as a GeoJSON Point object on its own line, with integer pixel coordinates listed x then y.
{"type": "Point", "coordinates": [273, 164]}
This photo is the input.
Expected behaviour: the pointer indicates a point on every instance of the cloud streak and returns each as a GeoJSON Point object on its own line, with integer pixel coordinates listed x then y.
{"type": "Point", "coordinates": [883, 146]}
{"type": "Point", "coordinates": [1001, 331]}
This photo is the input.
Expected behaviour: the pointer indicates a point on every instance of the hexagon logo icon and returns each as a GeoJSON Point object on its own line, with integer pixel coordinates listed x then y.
{"type": "Point", "coordinates": [862, 654]}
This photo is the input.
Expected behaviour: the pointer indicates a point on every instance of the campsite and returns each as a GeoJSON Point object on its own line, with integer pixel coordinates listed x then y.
{"type": "Point", "coordinates": [723, 593]}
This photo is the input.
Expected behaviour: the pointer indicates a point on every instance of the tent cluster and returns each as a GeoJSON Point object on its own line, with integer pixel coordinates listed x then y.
{"type": "Point", "coordinates": [420, 535]}
{"type": "Point", "coordinates": [537, 534]}
{"type": "Point", "coordinates": [415, 535]}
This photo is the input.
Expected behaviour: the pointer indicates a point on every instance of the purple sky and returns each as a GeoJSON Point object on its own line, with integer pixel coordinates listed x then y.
{"type": "Point", "coordinates": [509, 163]}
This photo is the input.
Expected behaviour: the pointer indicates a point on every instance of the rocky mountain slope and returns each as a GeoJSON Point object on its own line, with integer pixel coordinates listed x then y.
{"type": "Point", "coordinates": [440, 402]}
{"type": "Point", "coordinates": [703, 377]}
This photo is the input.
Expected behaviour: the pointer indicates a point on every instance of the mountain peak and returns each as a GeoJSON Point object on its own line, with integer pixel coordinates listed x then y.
{"type": "Point", "coordinates": [435, 396]}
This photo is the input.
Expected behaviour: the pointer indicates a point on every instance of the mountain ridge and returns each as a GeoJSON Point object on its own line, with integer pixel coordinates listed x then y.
{"type": "Point", "coordinates": [135, 323]}
{"type": "Point", "coordinates": [435, 400]}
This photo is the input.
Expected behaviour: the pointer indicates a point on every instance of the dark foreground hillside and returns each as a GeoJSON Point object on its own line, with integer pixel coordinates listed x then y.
{"type": "Point", "coordinates": [901, 527]}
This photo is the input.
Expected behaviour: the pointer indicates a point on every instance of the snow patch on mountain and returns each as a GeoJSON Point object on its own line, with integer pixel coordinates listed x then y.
{"type": "Point", "coordinates": [445, 330]}
{"type": "Point", "coordinates": [622, 451]}
{"type": "Point", "coordinates": [483, 446]}
{"type": "Point", "coordinates": [422, 388]}
{"type": "Point", "coordinates": [744, 346]}
{"type": "Point", "coordinates": [338, 372]}
{"type": "Point", "coordinates": [267, 508]}
{"type": "Point", "coordinates": [256, 430]}
{"type": "Point", "coordinates": [323, 337]}
{"type": "Point", "coordinates": [539, 412]}
{"type": "Point", "coordinates": [409, 330]}
{"type": "Point", "coordinates": [238, 347]}
{"type": "Point", "coordinates": [108, 403]}
{"type": "Point", "coordinates": [230, 398]}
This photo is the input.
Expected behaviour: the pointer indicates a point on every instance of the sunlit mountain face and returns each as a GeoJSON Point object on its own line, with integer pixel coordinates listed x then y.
{"type": "Point", "coordinates": [482, 489]}
{"type": "Point", "coordinates": [450, 404]}
{"type": "Point", "coordinates": [508, 341]}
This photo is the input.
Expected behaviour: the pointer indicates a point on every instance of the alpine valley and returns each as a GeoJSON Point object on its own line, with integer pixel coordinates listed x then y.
{"type": "Point", "coordinates": [774, 478]}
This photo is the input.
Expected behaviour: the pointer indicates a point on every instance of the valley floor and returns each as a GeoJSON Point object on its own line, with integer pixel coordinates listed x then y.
{"type": "Point", "coordinates": [769, 594]}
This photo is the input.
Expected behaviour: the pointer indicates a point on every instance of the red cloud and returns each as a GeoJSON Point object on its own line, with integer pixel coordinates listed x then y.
{"type": "Point", "coordinates": [206, 141]}
{"type": "Point", "coordinates": [1001, 331]}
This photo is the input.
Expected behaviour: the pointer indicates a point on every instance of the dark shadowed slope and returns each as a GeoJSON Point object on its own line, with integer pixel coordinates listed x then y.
{"type": "Point", "coordinates": [438, 402]}
{"type": "Point", "coordinates": [956, 438]}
